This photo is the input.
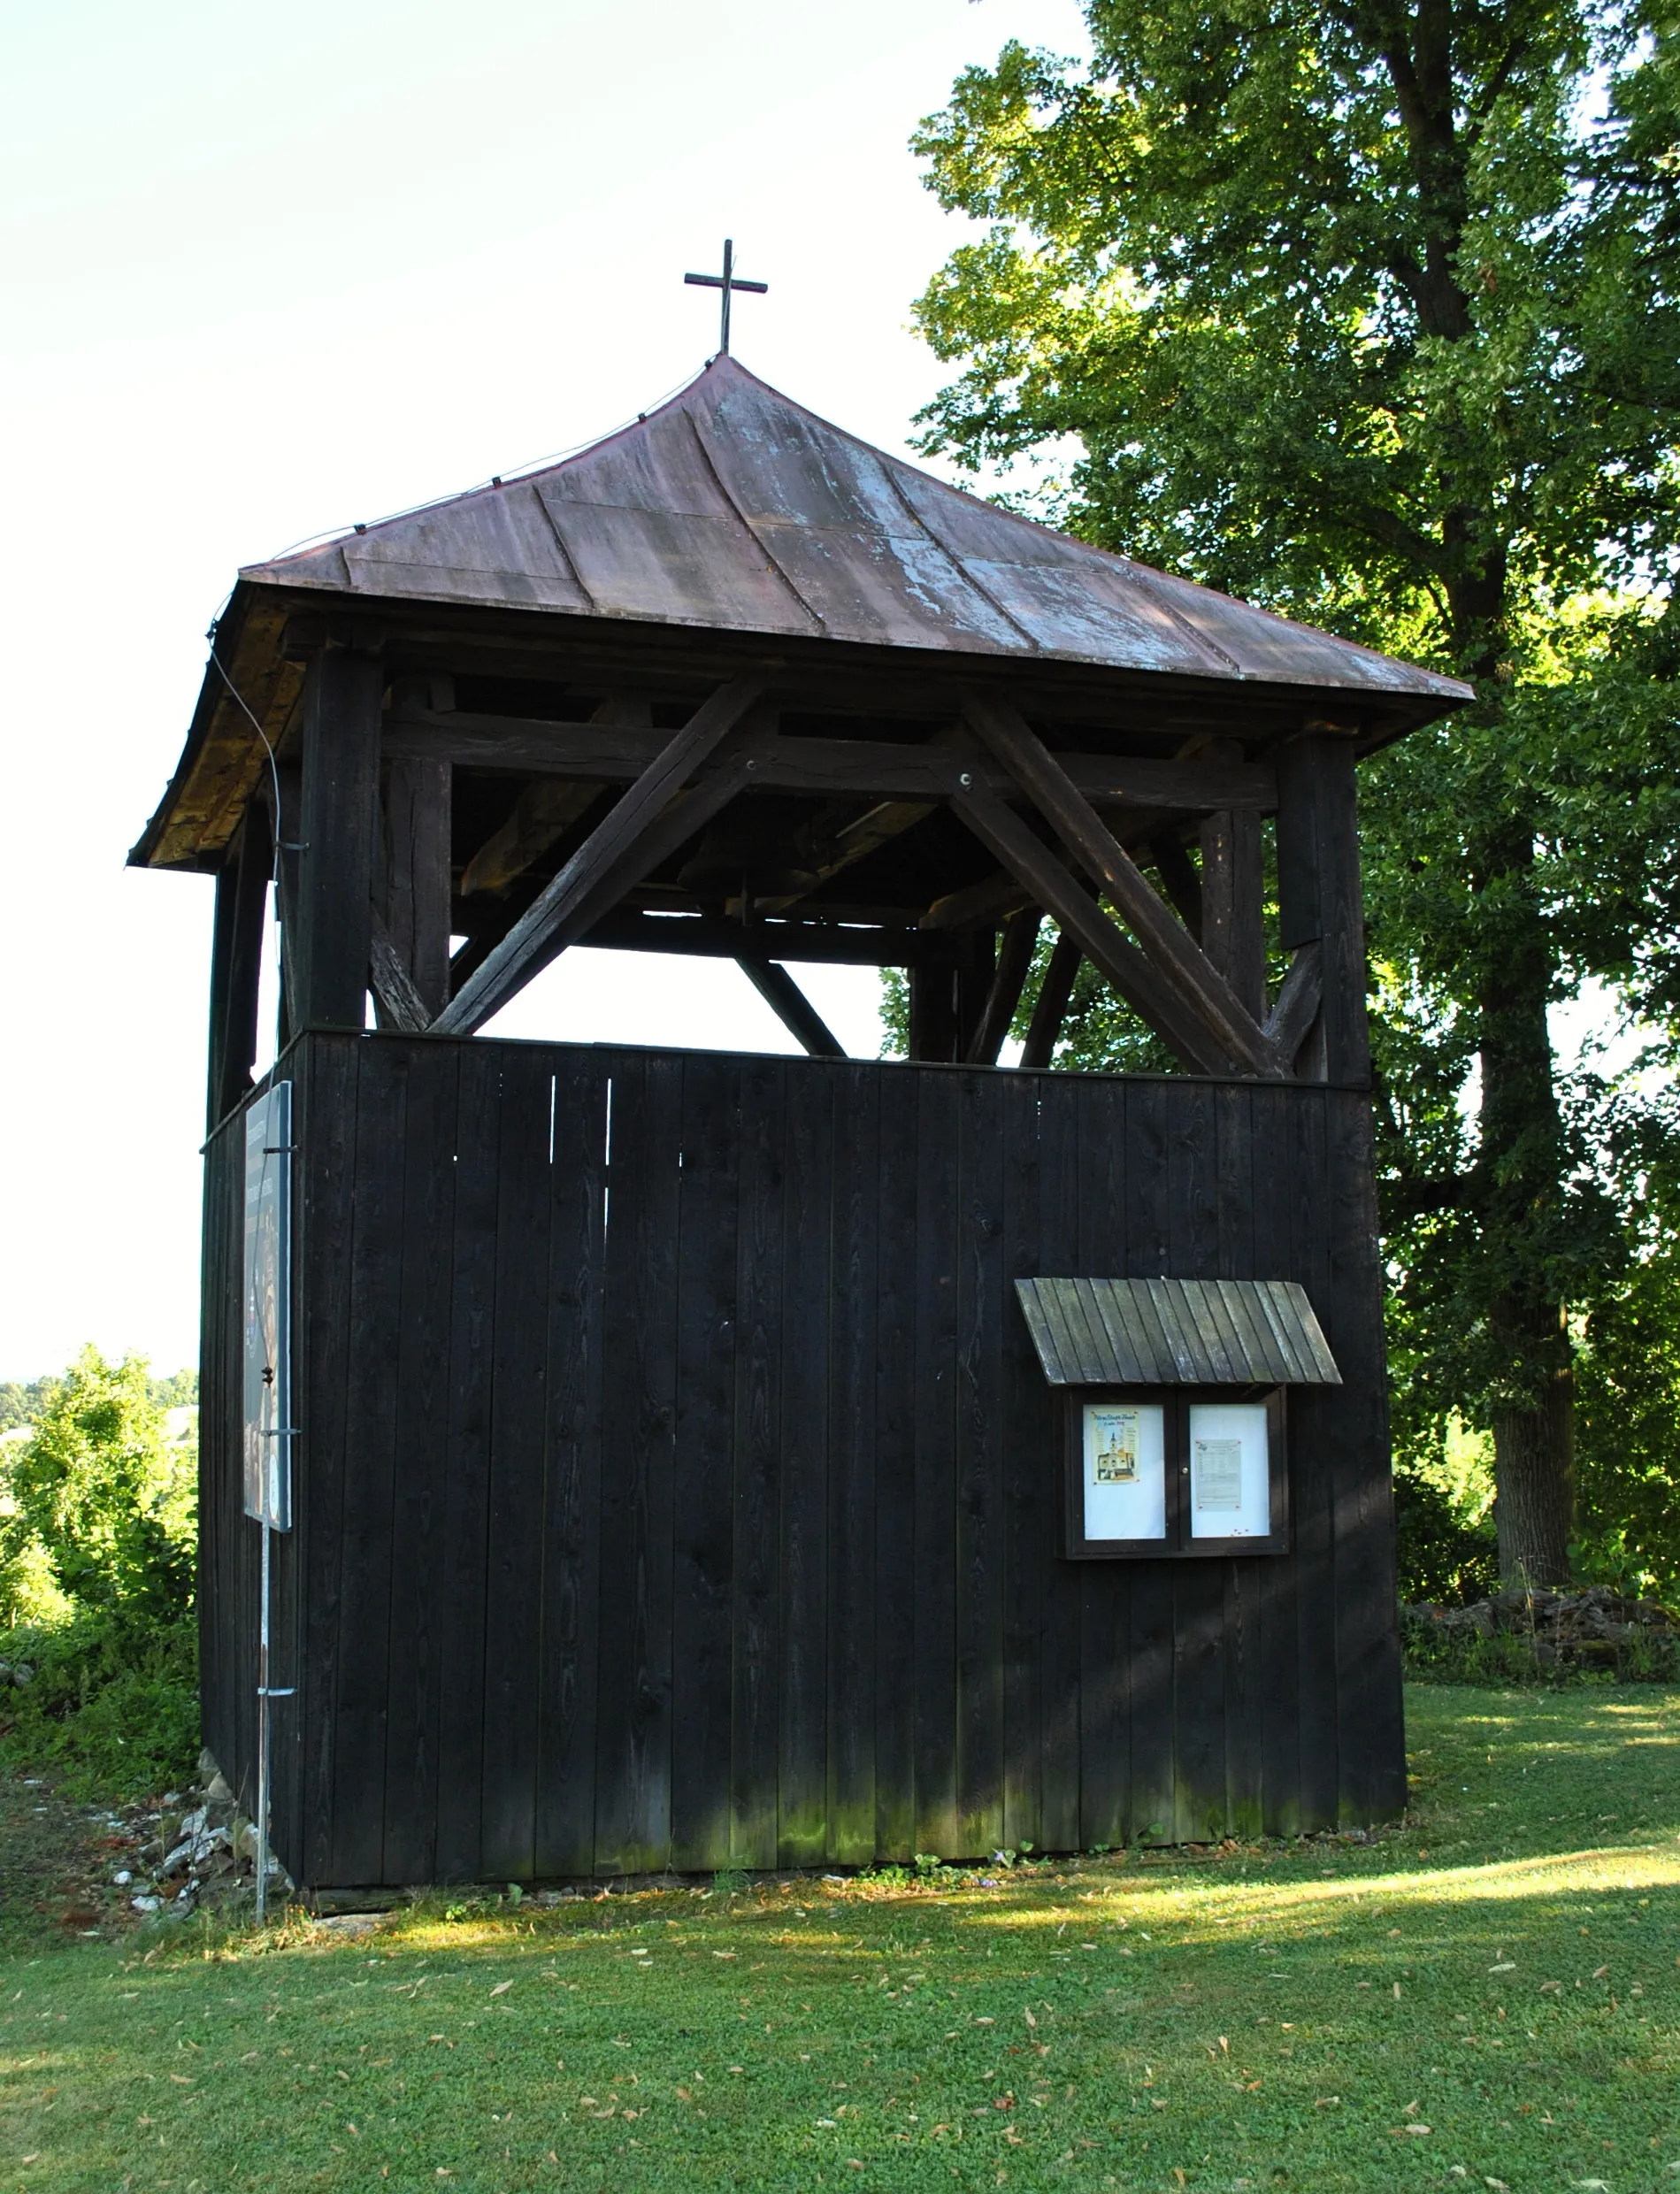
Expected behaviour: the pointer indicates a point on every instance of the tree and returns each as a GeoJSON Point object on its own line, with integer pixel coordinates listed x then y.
{"type": "Point", "coordinates": [100, 1501]}
{"type": "Point", "coordinates": [1368, 312]}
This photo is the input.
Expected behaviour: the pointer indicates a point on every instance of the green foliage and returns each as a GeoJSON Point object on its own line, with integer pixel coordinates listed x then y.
{"type": "Point", "coordinates": [1443, 1510]}
{"type": "Point", "coordinates": [98, 1519]}
{"type": "Point", "coordinates": [112, 1711]}
{"type": "Point", "coordinates": [100, 1490]}
{"type": "Point", "coordinates": [1373, 318]}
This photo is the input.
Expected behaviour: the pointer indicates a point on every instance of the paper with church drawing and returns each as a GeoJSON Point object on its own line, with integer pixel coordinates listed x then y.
{"type": "Point", "coordinates": [1116, 1443]}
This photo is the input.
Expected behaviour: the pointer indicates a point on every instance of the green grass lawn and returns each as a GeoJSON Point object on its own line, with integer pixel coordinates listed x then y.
{"type": "Point", "coordinates": [1486, 1998]}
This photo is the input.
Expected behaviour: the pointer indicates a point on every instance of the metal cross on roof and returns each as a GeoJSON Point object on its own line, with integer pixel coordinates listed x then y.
{"type": "Point", "coordinates": [728, 282]}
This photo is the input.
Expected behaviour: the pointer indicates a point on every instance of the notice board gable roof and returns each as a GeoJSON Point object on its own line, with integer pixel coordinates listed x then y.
{"type": "Point", "coordinates": [732, 508]}
{"type": "Point", "coordinates": [1093, 1332]}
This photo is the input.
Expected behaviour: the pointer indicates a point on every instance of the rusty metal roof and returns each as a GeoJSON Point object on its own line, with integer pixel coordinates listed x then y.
{"type": "Point", "coordinates": [732, 508]}
{"type": "Point", "coordinates": [1177, 1333]}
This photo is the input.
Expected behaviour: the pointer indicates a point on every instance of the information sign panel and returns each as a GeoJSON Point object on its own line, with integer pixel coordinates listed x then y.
{"type": "Point", "coordinates": [268, 1310]}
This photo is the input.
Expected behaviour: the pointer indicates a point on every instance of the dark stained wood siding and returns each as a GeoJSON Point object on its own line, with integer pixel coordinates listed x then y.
{"type": "Point", "coordinates": [677, 1485]}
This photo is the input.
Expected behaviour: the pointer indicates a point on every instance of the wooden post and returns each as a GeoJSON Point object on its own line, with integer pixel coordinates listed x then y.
{"type": "Point", "coordinates": [417, 868]}
{"type": "Point", "coordinates": [976, 971]}
{"type": "Point", "coordinates": [285, 823]}
{"type": "Point", "coordinates": [236, 962]}
{"type": "Point", "coordinates": [933, 1007]}
{"type": "Point", "coordinates": [1318, 892]}
{"type": "Point", "coordinates": [1232, 892]}
{"type": "Point", "coordinates": [336, 834]}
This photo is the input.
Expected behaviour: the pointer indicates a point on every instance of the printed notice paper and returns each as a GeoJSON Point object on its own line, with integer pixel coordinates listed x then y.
{"type": "Point", "coordinates": [1218, 1474]}
{"type": "Point", "coordinates": [1230, 1470]}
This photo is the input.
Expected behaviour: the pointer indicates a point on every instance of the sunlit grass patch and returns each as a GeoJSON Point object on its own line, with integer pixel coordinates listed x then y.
{"type": "Point", "coordinates": [1501, 1971]}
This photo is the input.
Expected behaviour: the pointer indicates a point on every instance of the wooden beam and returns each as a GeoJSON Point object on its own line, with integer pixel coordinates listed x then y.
{"type": "Point", "coordinates": [1299, 996]}
{"type": "Point", "coordinates": [341, 700]}
{"type": "Point", "coordinates": [1050, 1008]}
{"type": "Point", "coordinates": [1183, 886]}
{"type": "Point", "coordinates": [1318, 889]}
{"type": "Point", "coordinates": [711, 937]}
{"type": "Point", "coordinates": [869, 769]}
{"type": "Point", "coordinates": [394, 990]}
{"type": "Point", "coordinates": [619, 852]}
{"type": "Point", "coordinates": [1232, 894]}
{"type": "Point", "coordinates": [1145, 987]}
{"type": "Point", "coordinates": [236, 962]}
{"type": "Point", "coordinates": [546, 810]}
{"type": "Point", "coordinates": [417, 868]}
{"type": "Point", "coordinates": [933, 1008]}
{"type": "Point", "coordinates": [1201, 992]}
{"type": "Point", "coordinates": [1014, 964]}
{"type": "Point", "coordinates": [285, 788]}
{"type": "Point", "coordinates": [988, 902]}
{"type": "Point", "coordinates": [777, 988]}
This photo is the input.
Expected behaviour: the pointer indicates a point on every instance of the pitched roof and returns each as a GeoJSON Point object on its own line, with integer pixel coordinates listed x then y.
{"type": "Point", "coordinates": [1176, 1333]}
{"type": "Point", "coordinates": [733, 509]}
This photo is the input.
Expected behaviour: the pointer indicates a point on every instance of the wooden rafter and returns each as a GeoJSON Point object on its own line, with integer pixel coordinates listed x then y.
{"type": "Point", "coordinates": [1146, 988]}
{"type": "Point", "coordinates": [1050, 1007]}
{"type": "Point", "coordinates": [1227, 1033]}
{"type": "Point", "coordinates": [623, 847]}
{"type": "Point", "coordinates": [1300, 996]}
{"type": "Point", "coordinates": [395, 991]}
{"type": "Point", "coordinates": [1009, 980]}
{"type": "Point", "coordinates": [777, 988]}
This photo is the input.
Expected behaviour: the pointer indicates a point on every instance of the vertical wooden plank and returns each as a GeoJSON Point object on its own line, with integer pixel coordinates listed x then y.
{"type": "Point", "coordinates": [806, 1228]}
{"type": "Point", "coordinates": [982, 1283]}
{"type": "Point", "coordinates": [1372, 1748]}
{"type": "Point", "coordinates": [1063, 1600]}
{"type": "Point", "coordinates": [1312, 1441]}
{"type": "Point", "coordinates": [571, 1515]}
{"type": "Point", "coordinates": [1151, 1670]}
{"type": "Point", "coordinates": [633, 1799]}
{"type": "Point", "coordinates": [852, 1398]}
{"type": "Point", "coordinates": [1198, 1675]}
{"type": "Point", "coordinates": [933, 1671]}
{"type": "Point", "coordinates": [417, 857]}
{"type": "Point", "coordinates": [1239, 1258]}
{"type": "Point", "coordinates": [1105, 1690]}
{"type": "Point", "coordinates": [1030, 1465]}
{"type": "Point", "coordinates": [324, 1358]}
{"type": "Point", "coordinates": [518, 1428]}
{"type": "Point", "coordinates": [340, 777]}
{"type": "Point", "coordinates": [704, 1560]}
{"type": "Point", "coordinates": [1233, 900]}
{"type": "Point", "coordinates": [421, 1439]}
{"type": "Point", "coordinates": [364, 1551]}
{"type": "Point", "coordinates": [464, 1535]}
{"type": "Point", "coordinates": [893, 1347]}
{"type": "Point", "coordinates": [757, 1640]}
{"type": "Point", "coordinates": [1278, 1580]}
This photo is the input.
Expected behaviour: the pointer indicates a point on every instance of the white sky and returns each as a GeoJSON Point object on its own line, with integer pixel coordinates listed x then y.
{"type": "Point", "coordinates": [268, 271]}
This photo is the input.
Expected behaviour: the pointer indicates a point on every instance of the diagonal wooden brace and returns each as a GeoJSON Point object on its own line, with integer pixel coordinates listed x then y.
{"type": "Point", "coordinates": [618, 853]}
{"type": "Point", "coordinates": [1138, 981]}
{"type": "Point", "coordinates": [1204, 995]}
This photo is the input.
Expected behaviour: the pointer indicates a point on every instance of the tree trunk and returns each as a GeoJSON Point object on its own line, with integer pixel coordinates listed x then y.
{"type": "Point", "coordinates": [1533, 1462]}
{"type": "Point", "coordinates": [1523, 1156]}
